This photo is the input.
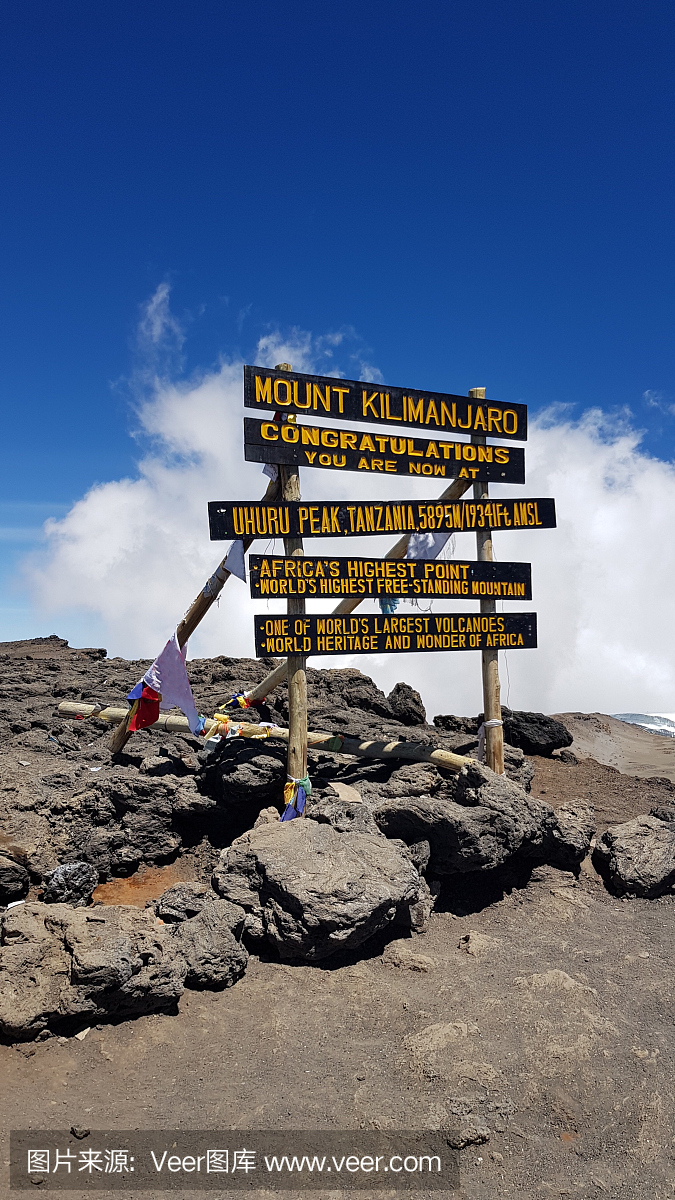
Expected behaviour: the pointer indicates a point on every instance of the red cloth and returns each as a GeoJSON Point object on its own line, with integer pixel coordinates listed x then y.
{"type": "Point", "coordinates": [147, 710]}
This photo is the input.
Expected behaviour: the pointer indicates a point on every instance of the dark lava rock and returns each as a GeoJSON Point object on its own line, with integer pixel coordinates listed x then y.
{"type": "Point", "coordinates": [406, 705]}
{"type": "Point", "coordinates": [211, 947]}
{"type": "Point", "coordinates": [70, 883]}
{"type": "Point", "coordinates": [567, 757]}
{"type": "Point", "coordinates": [535, 733]}
{"type": "Point", "coordinates": [14, 880]}
{"type": "Point", "coordinates": [638, 857]}
{"type": "Point", "coordinates": [312, 891]}
{"type": "Point", "coordinates": [569, 837]}
{"type": "Point", "coordinates": [60, 964]}
{"type": "Point", "coordinates": [453, 724]}
{"type": "Point", "coordinates": [489, 821]}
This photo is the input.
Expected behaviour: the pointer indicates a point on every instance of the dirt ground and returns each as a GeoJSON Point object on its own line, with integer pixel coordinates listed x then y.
{"type": "Point", "coordinates": [541, 1018]}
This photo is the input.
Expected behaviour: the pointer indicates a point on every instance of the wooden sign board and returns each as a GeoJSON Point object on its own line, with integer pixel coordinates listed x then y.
{"type": "Point", "coordinates": [353, 400]}
{"type": "Point", "coordinates": [345, 450]}
{"type": "Point", "coordinates": [274, 576]}
{"type": "Point", "coordinates": [235, 519]}
{"type": "Point", "coordinates": [378, 634]}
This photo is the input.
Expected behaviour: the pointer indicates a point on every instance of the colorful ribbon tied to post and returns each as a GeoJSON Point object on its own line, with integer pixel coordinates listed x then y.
{"type": "Point", "coordinates": [242, 699]}
{"type": "Point", "coordinates": [145, 708]}
{"type": "Point", "coordinates": [388, 605]}
{"type": "Point", "coordinates": [296, 792]}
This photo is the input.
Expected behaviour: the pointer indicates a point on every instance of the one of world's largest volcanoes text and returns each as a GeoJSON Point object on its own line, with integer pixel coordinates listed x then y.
{"type": "Point", "coordinates": [377, 634]}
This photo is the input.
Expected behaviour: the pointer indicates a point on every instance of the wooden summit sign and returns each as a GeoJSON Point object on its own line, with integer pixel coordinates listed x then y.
{"type": "Point", "coordinates": [378, 634]}
{"type": "Point", "coordinates": [352, 400]}
{"type": "Point", "coordinates": [234, 519]}
{"type": "Point", "coordinates": [345, 450]}
{"type": "Point", "coordinates": [272, 575]}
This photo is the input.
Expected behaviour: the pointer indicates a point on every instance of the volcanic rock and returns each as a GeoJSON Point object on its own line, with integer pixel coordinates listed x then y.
{"type": "Point", "coordinates": [14, 880]}
{"type": "Point", "coordinates": [535, 733]}
{"type": "Point", "coordinates": [70, 883]}
{"type": "Point", "coordinates": [638, 857]}
{"type": "Point", "coordinates": [313, 891]}
{"type": "Point", "coordinates": [406, 705]}
{"type": "Point", "coordinates": [490, 821]}
{"type": "Point", "coordinates": [59, 964]}
{"type": "Point", "coordinates": [211, 947]}
{"type": "Point", "coordinates": [569, 836]}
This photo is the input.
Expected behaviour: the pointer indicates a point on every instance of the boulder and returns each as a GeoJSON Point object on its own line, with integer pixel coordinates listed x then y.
{"type": "Point", "coordinates": [489, 821]}
{"type": "Point", "coordinates": [117, 822]}
{"type": "Point", "coordinates": [406, 705]}
{"type": "Point", "coordinates": [461, 725]}
{"type": "Point", "coordinates": [535, 733]}
{"type": "Point", "coordinates": [70, 883]}
{"type": "Point", "coordinates": [570, 834]}
{"type": "Point", "coordinates": [59, 965]}
{"type": "Point", "coordinates": [312, 891]}
{"type": "Point", "coordinates": [638, 857]}
{"type": "Point", "coordinates": [14, 880]}
{"type": "Point", "coordinates": [267, 816]}
{"type": "Point", "coordinates": [211, 947]}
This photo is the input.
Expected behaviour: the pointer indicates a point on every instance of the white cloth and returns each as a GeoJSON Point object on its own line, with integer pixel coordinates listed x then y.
{"type": "Point", "coordinates": [234, 563]}
{"type": "Point", "coordinates": [168, 676]}
{"type": "Point", "coordinates": [426, 545]}
{"type": "Point", "coordinates": [493, 724]}
{"type": "Point", "coordinates": [271, 471]}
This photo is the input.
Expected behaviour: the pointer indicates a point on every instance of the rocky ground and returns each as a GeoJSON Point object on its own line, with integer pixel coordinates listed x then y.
{"type": "Point", "coordinates": [426, 951]}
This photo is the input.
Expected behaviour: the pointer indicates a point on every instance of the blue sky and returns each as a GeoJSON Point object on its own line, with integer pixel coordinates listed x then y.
{"type": "Point", "coordinates": [472, 194]}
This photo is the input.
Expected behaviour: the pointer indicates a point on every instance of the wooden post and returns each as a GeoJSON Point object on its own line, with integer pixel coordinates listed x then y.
{"type": "Point", "coordinates": [492, 710]}
{"type": "Point", "coordinates": [289, 480]}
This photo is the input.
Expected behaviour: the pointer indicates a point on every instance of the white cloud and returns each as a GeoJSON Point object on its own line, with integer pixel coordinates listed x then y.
{"type": "Point", "coordinates": [131, 555]}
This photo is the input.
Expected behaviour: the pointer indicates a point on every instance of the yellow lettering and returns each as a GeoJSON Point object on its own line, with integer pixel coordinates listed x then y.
{"type": "Point", "coordinates": [263, 390]}
{"type": "Point", "coordinates": [318, 397]}
{"type": "Point", "coordinates": [415, 410]}
{"type": "Point", "coordinates": [286, 384]}
{"type": "Point", "coordinates": [431, 408]}
{"type": "Point", "coordinates": [369, 403]}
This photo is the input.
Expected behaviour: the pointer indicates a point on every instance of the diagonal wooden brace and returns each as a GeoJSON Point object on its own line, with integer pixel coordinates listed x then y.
{"type": "Point", "coordinates": [196, 612]}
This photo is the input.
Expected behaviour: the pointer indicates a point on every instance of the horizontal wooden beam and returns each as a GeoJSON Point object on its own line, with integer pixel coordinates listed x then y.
{"type": "Point", "coordinates": [174, 722]}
